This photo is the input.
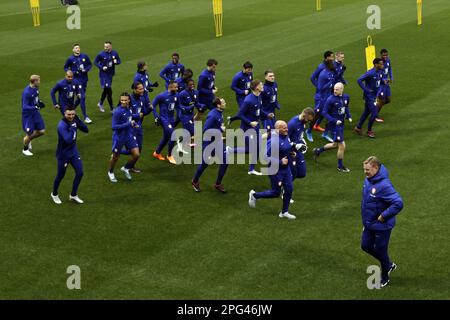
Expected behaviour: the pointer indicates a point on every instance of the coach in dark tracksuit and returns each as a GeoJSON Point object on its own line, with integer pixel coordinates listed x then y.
{"type": "Point", "coordinates": [379, 207]}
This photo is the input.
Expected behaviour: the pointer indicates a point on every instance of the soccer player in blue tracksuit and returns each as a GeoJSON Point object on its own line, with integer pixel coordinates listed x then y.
{"type": "Point", "coordinates": [336, 110]}
{"type": "Point", "coordinates": [182, 85]}
{"type": "Point", "coordinates": [214, 125]}
{"type": "Point", "coordinates": [296, 128]}
{"type": "Point", "coordinates": [379, 208]}
{"type": "Point", "coordinates": [325, 86]}
{"type": "Point", "coordinates": [173, 70]}
{"type": "Point", "coordinates": [250, 114]}
{"type": "Point", "coordinates": [340, 67]}
{"type": "Point", "coordinates": [370, 83]}
{"type": "Point", "coordinates": [241, 86]}
{"type": "Point", "coordinates": [168, 102]}
{"type": "Point", "coordinates": [106, 62]}
{"type": "Point", "coordinates": [283, 177]}
{"type": "Point", "coordinates": [269, 101]}
{"type": "Point", "coordinates": [67, 153]}
{"type": "Point", "coordinates": [80, 64]}
{"type": "Point", "coordinates": [384, 95]}
{"type": "Point", "coordinates": [183, 81]}
{"type": "Point", "coordinates": [142, 77]}
{"type": "Point", "coordinates": [68, 93]}
{"type": "Point", "coordinates": [327, 56]}
{"type": "Point", "coordinates": [32, 122]}
{"type": "Point", "coordinates": [140, 107]}
{"type": "Point", "coordinates": [123, 122]}
{"type": "Point", "coordinates": [188, 101]}
{"type": "Point", "coordinates": [206, 86]}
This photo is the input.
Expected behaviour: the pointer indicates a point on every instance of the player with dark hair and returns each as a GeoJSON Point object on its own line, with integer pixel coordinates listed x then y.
{"type": "Point", "coordinates": [173, 70]}
{"type": "Point", "coordinates": [250, 114]}
{"type": "Point", "coordinates": [168, 102]}
{"type": "Point", "coordinates": [327, 56]}
{"type": "Point", "coordinates": [122, 125]}
{"type": "Point", "coordinates": [106, 62]}
{"type": "Point", "coordinates": [270, 102]}
{"type": "Point", "coordinates": [188, 101]}
{"type": "Point", "coordinates": [384, 95]}
{"type": "Point", "coordinates": [182, 82]}
{"type": "Point", "coordinates": [143, 77]}
{"type": "Point", "coordinates": [214, 122]}
{"type": "Point", "coordinates": [80, 64]}
{"type": "Point", "coordinates": [206, 87]}
{"type": "Point", "coordinates": [370, 83]}
{"type": "Point", "coordinates": [67, 153]}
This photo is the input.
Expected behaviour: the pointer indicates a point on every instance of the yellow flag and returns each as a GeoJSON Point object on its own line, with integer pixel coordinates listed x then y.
{"type": "Point", "coordinates": [34, 4]}
{"type": "Point", "coordinates": [318, 5]}
{"type": "Point", "coordinates": [218, 16]}
{"type": "Point", "coordinates": [419, 12]}
{"type": "Point", "coordinates": [370, 53]}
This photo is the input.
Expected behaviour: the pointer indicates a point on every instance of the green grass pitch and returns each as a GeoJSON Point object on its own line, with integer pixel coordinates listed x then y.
{"type": "Point", "coordinates": [154, 238]}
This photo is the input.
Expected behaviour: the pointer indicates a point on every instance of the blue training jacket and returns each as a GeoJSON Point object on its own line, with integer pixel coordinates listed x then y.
{"type": "Point", "coordinates": [380, 197]}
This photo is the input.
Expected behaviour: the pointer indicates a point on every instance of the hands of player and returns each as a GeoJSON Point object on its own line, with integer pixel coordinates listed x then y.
{"type": "Point", "coordinates": [339, 122]}
{"type": "Point", "coordinates": [254, 123]}
{"type": "Point", "coordinates": [223, 127]}
{"type": "Point", "coordinates": [380, 218]}
{"type": "Point", "coordinates": [271, 115]}
{"type": "Point", "coordinates": [350, 119]}
{"type": "Point", "coordinates": [57, 106]}
{"type": "Point", "coordinates": [105, 68]}
{"type": "Point", "coordinates": [40, 105]}
{"type": "Point", "coordinates": [246, 92]}
{"type": "Point", "coordinates": [157, 121]}
{"type": "Point", "coordinates": [215, 90]}
{"type": "Point", "coordinates": [301, 147]}
{"type": "Point", "coordinates": [141, 115]}
{"type": "Point", "coordinates": [115, 61]}
{"type": "Point", "coordinates": [284, 161]}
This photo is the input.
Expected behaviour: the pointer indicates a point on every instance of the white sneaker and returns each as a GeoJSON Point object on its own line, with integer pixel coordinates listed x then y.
{"type": "Point", "coordinates": [56, 198]}
{"type": "Point", "coordinates": [256, 173]}
{"type": "Point", "coordinates": [101, 107]}
{"type": "Point", "coordinates": [126, 172]}
{"type": "Point", "coordinates": [75, 199]}
{"type": "Point", "coordinates": [112, 177]}
{"type": "Point", "coordinates": [287, 215]}
{"type": "Point", "coordinates": [180, 148]}
{"type": "Point", "coordinates": [30, 147]}
{"type": "Point", "coordinates": [27, 153]}
{"type": "Point", "coordinates": [251, 199]}
{"type": "Point", "coordinates": [87, 120]}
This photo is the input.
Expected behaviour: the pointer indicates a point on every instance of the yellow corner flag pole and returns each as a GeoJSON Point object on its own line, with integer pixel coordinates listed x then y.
{"type": "Point", "coordinates": [34, 4]}
{"type": "Point", "coordinates": [218, 16]}
{"type": "Point", "coordinates": [370, 53]}
{"type": "Point", "coordinates": [419, 12]}
{"type": "Point", "coordinates": [318, 5]}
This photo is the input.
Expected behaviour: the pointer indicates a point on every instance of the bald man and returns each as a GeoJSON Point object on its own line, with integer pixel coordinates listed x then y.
{"type": "Point", "coordinates": [280, 142]}
{"type": "Point", "coordinates": [68, 93]}
{"type": "Point", "coordinates": [32, 122]}
{"type": "Point", "coordinates": [336, 110]}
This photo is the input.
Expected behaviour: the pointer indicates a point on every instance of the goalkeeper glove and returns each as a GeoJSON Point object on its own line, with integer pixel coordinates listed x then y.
{"type": "Point", "coordinates": [40, 104]}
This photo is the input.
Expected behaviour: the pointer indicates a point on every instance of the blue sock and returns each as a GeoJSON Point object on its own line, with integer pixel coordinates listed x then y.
{"type": "Point", "coordinates": [340, 164]}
